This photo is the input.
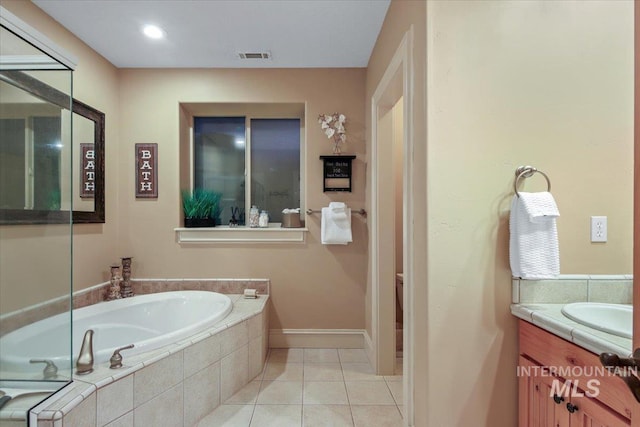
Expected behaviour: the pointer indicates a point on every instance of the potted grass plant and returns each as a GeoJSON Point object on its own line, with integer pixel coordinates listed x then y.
{"type": "Point", "coordinates": [201, 208]}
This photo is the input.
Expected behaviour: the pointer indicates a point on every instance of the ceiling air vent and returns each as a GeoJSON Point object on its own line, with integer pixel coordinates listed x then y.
{"type": "Point", "coordinates": [254, 55]}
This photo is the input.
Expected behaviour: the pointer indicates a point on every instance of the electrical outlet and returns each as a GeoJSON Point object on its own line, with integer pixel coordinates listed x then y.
{"type": "Point", "coordinates": [598, 228]}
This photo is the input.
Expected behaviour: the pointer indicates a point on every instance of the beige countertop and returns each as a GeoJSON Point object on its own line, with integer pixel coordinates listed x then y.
{"type": "Point", "coordinates": [550, 318]}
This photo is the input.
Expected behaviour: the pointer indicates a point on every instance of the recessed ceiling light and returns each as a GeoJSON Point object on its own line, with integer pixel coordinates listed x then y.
{"type": "Point", "coordinates": [153, 31]}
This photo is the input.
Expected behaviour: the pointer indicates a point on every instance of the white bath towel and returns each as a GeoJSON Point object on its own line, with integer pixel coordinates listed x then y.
{"type": "Point", "coordinates": [533, 246]}
{"type": "Point", "coordinates": [539, 206]}
{"type": "Point", "coordinates": [336, 224]}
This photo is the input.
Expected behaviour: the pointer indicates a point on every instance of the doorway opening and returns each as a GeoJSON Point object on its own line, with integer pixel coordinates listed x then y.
{"type": "Point", "coordinates": [391, 185]}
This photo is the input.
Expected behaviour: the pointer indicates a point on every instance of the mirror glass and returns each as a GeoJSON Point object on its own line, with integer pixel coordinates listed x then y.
{"type": "Point", "coordinates": [31, 151]}
{"type": "Point", "coordinates": [38, 170]}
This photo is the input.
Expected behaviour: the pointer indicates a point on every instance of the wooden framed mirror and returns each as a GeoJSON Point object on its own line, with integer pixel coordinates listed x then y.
{"type": "Point", "coordinates": [53, 152]}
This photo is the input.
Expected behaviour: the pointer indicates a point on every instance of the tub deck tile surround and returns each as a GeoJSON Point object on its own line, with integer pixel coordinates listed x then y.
{"type": "Point", "coordinates": [201, 393]}
{"type": "Point", "coordinates": [168, 384]}
{"type": "Point", "coordinates": [96, 294]}
{"type": "Point", "coordinates": [115, 400]}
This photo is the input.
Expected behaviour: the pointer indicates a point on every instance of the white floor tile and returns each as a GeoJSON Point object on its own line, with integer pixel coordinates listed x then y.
{"type": "Point", "coordinates": [376, 416]}
{"type": "Point", "coordinates": [359, 372]}
{"type": "Point", "coordinates": [323, 372]}
{"type": "Point", "coordinates": [277, 416]}
{"type": "Point", "coordinates": [326, 416]}
{"type": "Point", "coordinates": [324, 392]}
{"type": "Point", "coordinates": [286, 355]}
{"type": "Point", "coordinates": [321, 355]}
{"type": "Point", "coordinates": [228, 416]}
{"type": "Point", "coordinates": [369, 393]}
{"type": "Point", "coordinates": [283, 371]}
{"type": "Point", "coordinates": [280, 393]}
{"type": "Point", "coordinates": [353, 355]}
{"type": "Point", "coordinates": [396, 391]}
{"type": "Point", "coordinates": [315, 388]}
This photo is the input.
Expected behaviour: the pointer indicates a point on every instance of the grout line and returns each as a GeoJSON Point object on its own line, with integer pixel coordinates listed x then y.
{"type": "Point", "coordinates": [254, 410]}
{"type": "Point", "coordinates": [302, 410]}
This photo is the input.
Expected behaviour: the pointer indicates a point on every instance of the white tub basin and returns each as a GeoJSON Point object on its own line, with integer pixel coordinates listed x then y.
{"type": "Point", "coordinates": [615, 319]}
{"type": "Point", "coordinates": [149, 321]}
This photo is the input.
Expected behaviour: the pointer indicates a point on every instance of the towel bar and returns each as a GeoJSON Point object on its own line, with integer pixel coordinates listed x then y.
{"type": "Point", "coordinates": [359, 212]}
{"type": "Point", "coordinates": [527, 172]}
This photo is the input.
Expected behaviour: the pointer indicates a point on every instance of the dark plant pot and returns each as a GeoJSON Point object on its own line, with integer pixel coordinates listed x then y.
{"type": "Point", "coordinates": [199, 222]}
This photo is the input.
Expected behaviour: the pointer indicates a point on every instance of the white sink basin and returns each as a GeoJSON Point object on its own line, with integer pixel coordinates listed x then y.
{"type": "Point", "coordinates": [615, 319]}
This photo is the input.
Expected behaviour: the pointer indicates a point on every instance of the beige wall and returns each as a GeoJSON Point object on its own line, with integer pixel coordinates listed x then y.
{"type": "Point", "coordinates": [551, 87]}
{"type": "Point", "coordinates": [313, 286]}
{"type": "Point", "coordinates": [308, 279]}
{"type": "Point", "coordinates": [39, 255]}
{"type": "Point", "coordinates": [509, 83]}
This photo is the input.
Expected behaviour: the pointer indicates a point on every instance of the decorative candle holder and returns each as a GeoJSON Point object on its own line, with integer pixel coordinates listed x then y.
{"type": "Point", "coordinates": [114, 289]}
{"type": "Point", "coordinates": [125, 287]}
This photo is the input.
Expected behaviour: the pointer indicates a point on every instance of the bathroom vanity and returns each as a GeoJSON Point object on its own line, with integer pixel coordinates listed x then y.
{"type": "Point", "coordinates": [562, 384]}
{"type": "Point", "coordinates": [561, 381]}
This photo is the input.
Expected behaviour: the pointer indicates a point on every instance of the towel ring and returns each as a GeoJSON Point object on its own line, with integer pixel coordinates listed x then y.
{"type": "Point", "coordinates": [527, 172]}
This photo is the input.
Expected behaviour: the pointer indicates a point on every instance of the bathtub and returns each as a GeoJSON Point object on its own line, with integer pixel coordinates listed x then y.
{"type": "Point", "coordinates": [149, 321]}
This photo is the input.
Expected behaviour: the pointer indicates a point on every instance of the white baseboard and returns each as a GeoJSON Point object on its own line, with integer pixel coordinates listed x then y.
{"type": "Point", "coordinates": [316, 338]}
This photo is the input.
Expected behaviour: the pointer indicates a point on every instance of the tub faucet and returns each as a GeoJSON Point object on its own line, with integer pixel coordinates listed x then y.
{"type": "Point", "coordinates": [84, 364]}
{"type": "Point", "coordinates": [50, 371]}
{"type": "Point", "coordinates": [116, 359]}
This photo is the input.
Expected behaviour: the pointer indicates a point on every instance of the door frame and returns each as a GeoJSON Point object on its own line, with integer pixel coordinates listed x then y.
{"type": "Point", "coordinates": [396, 81]}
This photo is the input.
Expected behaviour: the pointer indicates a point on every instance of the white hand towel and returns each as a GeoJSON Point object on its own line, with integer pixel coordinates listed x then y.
{"type": "Point", "coordinates": [533, 246]}
{"type": "Point", "coordinates": [336, 224]}
{"type": "Point", "coordinates": [539, 206]}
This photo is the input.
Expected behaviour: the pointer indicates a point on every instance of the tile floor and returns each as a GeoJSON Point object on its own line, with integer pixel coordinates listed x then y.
{"type": "Point", "coordinates": [313, 388]}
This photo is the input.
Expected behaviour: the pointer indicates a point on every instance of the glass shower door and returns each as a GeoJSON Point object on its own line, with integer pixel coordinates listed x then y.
{"type": "Point", "coordinates": [35, 258]}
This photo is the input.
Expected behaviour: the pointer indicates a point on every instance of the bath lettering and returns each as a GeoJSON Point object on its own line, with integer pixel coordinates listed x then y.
{"type": "Point", "coordinates": [146, 170]}
{"type": "Point", "coordinates": [88, 167]}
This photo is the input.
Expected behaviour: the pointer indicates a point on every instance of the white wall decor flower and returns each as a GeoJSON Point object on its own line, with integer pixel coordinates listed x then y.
{"type": "Point", "coordinates": [334, 129]}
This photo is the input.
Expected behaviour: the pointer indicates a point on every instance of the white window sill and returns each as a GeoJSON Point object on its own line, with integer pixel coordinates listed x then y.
{"type": "Point", "coordinates": [226, 234]}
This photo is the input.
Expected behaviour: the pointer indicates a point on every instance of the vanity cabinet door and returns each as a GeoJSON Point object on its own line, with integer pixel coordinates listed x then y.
{"type": "Point", "coordinates": [611, 406]}
{"type": "Point", "coordinates": [539, 407]}
{"type": "Point", "coordinates": [590, 413]}
{"type": "Point", "coordinates": [550, 408]}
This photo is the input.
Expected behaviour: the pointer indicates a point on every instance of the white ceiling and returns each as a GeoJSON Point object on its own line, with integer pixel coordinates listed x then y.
{"type": "Point", "coordinates": [209, 33]}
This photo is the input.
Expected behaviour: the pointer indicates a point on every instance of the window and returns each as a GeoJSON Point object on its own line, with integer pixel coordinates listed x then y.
{"type": "Point", "coordinates": [250, 161]}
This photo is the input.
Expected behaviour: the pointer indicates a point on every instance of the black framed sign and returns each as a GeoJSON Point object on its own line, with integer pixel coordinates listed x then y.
{"type": "Point", "coordinates": [337, 172]}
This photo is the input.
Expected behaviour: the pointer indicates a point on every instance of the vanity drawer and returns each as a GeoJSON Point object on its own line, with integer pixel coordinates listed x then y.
{"type": "Point", "coordinates": [576, 364]}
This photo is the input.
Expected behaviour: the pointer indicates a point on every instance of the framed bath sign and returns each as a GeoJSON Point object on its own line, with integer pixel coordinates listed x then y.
{"type": "Point", "coordinates": [337, 173]}
{"type": "Point", "coordinates": [87, 170]}
{"type": "Point", "coordinates": [147, 171]}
